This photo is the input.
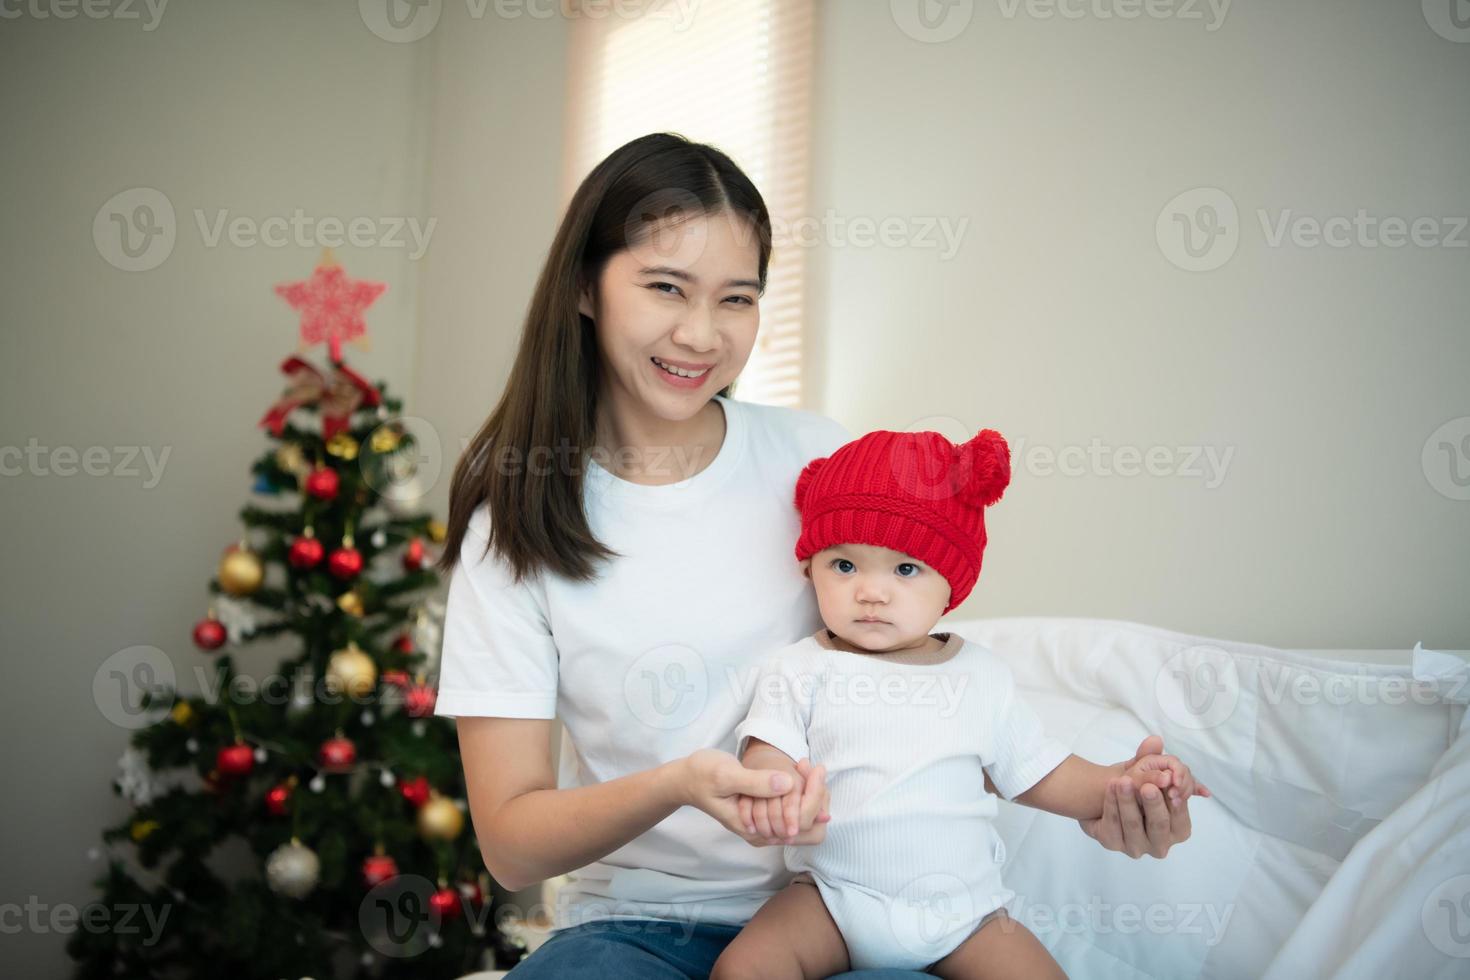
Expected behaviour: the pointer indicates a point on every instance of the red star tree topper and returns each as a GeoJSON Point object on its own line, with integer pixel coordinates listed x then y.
{"type": "Point", "coordinates": [331, 306]}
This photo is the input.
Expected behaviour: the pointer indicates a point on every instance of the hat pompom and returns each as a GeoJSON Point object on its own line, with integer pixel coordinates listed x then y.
{"type": "Point", "coordinates": [985, 465]}
{"type": "Point", "coordinates": [804, 481]}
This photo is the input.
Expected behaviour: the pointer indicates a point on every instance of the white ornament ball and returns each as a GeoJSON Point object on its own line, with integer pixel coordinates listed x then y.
{"type": "Point", "coordinates": [292, 870]}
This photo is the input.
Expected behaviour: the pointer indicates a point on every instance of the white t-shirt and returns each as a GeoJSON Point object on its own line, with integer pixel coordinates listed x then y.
{"type": "Point", "coordinates": [653, 659]}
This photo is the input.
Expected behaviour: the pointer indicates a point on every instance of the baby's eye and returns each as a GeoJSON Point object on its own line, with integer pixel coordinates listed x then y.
{"type": "Point", "coordinates": [908, 564]}
{"type": "Point", "coordinates": [841, 564]}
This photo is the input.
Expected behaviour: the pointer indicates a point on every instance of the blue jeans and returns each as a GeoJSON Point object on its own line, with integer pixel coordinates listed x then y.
{"type": "Point", "coordinates": [645, 949]}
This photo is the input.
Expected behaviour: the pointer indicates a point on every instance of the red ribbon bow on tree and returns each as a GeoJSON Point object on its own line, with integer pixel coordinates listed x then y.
{"type": "Point", "coordinates": [345, 393]}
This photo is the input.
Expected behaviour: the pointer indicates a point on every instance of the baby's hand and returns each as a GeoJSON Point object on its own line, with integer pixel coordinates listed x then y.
{"type": "Point", "coordinates": [771, 817]}
{"type": "Point", "coordinates": [778, 819]}
{"type": "Point", "coordinates": [1168, 774]}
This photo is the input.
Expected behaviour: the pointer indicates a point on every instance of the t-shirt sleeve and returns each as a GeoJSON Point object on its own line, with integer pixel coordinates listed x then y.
{"type": "Point", "coordinates": [499, 658]}
{"type": "Point", "coordinates": [1022, 751]}
{"type": "Point", "coordinates": [780, 708]}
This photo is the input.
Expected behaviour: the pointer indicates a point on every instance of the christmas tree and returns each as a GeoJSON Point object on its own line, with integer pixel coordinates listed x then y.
{"type": "Point", "coordinates": [334, 773]}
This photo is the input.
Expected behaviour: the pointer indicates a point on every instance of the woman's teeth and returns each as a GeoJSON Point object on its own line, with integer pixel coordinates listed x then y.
{"type": "Point", "coordinates": [679, 371]}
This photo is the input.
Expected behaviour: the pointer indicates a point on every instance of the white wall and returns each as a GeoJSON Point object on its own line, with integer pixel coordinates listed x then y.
{"type": "Point", "coordinates": [1060, 320]}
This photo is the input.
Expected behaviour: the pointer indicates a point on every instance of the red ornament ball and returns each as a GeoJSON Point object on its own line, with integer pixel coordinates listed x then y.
{"type": "Point", "coordinates": [419, 701]}
{"type": "Point", "coordinates": [323, 483]}
{"type": "Point", "coordinates": [395, 678]}
{"type": "Point", "coordinates": [378, 868]}
{"type": "Point", "coordinates": [209, 634]}
{"type": "Point", "coordinates": [413, 556]}
{"type": "Point", "coordinates": [305, 553]}
{"type": "Point", "coordinates": [235, 760]}
{"type": "Point", "coordinates": [278, 800]}
{"type": "Point", "coordinates": [345, 563]}
{"type": "Point", "coordinates": [445, 903]}
{"type": "Point", "coordinates": [415, 791]}
{"type": "Point", "coordinates": [404, 643]}
{"type": "Point", "coordinates": [337, 755]}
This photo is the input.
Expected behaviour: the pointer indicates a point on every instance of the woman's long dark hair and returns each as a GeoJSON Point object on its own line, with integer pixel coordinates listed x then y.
{"type": "Point", "coordinates": [550, 400]}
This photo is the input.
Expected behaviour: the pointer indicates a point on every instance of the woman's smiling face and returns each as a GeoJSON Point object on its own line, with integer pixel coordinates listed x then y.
{"type": "Point", "coordinates": [687, 296]}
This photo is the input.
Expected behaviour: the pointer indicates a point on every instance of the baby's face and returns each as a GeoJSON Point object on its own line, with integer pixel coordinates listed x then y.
{"type": "Point", "coordinates": [877, 598]}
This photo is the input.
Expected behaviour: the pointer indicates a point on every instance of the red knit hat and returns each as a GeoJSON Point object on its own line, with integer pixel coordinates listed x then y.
{"type": "Point", "coordinates": [914, 492]}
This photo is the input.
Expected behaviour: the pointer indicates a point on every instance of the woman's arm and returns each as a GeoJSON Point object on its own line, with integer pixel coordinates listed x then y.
{"type": "Point", "coordinates": [528, 830]}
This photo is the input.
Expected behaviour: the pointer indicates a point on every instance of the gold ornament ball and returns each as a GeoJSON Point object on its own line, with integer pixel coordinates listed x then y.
{"type": "Point", "coordinates": [350, 603]}
{"type": "Point", "coordinates": [182, 714]}
{"type": "Point", "coordinates": [352, 672]}
{"type": "Point", "coordinates": [384, 439]}
{"type": "Point", "coordinates": [240, 572]}
{"type": "Point", "coordinates": [343, 446]}
{"type": "Point", "coordinates": [440, 819]}
{"type": "Point", "coordinates": [437, 531]}
{"type": "Point", "coordinates": [290, 458]}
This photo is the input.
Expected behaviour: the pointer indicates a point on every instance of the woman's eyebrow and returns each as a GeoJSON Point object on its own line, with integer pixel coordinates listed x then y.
{"type": "Point", "coordinates": [666, 270]}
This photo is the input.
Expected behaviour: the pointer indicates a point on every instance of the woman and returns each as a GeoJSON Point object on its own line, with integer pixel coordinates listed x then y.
{"type": "Point", "coordinates": [619, 537]}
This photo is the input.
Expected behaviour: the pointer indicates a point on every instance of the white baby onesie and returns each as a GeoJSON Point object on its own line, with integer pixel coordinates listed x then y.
{"type": "Point", "coordinates": [910, 865]}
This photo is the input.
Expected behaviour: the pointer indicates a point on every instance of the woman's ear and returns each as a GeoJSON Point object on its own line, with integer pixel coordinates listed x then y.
{"type": "Point", "coordinates": [584, 301]}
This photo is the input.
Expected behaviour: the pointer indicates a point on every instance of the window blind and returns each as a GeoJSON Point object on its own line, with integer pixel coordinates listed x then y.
{"type": "Point", "coordinates": [733, 73]}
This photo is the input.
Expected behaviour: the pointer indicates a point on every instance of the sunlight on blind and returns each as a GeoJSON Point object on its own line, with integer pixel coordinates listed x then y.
{"type": "Point", "coordinates": [733, 73]}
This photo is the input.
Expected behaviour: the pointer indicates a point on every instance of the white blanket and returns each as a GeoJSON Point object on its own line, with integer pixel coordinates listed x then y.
{"type": "Point", "coordinates": [1338, 839]}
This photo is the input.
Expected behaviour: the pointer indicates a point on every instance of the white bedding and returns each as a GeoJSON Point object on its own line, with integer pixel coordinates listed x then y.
{"type": "Point", "coordinates": [1338, 839]}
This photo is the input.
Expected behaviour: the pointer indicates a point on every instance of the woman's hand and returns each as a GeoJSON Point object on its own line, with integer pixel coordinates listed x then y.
{"type": "Point", "coordinates": [714, 781]}
{"type": "Point", "coordinates": [798, 817]}
{"type": "Point", "coordinates": [1151, 829]}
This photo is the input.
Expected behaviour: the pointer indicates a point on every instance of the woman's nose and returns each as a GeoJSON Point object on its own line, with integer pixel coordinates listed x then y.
{"type": "Point", "coordinates": [696, 329]}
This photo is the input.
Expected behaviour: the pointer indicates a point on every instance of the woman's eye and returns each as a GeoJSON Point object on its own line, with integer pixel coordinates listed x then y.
{"type": "Point", "coordinates": [746, 300]}
{"type": "Point", "coordinates": [908, 564]}
{"type": "Point", "coordinates": [657, 286]}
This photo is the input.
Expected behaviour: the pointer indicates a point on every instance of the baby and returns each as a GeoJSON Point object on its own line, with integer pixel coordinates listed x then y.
{"type": "Point", "coordinates": [914, 729]}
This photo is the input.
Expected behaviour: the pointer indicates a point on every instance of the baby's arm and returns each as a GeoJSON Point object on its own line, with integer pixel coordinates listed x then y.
{"type": "Point", "coordinates": [1076, 788]}
{"type": "Point", "coordinates": [774, 733]}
